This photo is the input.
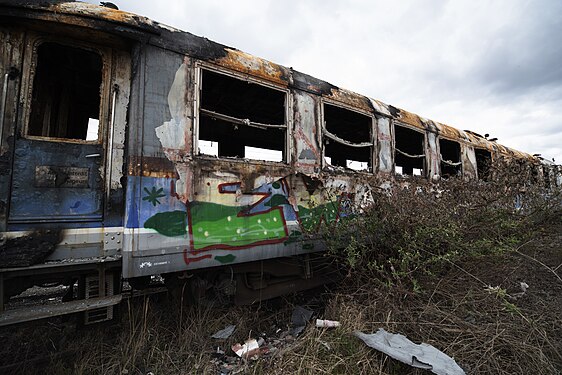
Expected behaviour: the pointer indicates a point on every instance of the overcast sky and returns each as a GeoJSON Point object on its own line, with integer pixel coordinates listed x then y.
{"type": "Point", "coordinates": [488, 66]}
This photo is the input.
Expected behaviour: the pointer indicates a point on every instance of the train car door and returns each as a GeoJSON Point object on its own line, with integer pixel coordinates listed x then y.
{"type": "Point", "coordinates": [60, 158]}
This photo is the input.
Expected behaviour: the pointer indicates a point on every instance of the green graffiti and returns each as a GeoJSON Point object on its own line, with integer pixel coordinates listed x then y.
{"type": "Point", "coordinates": [171, 224]}
{"type": "Point", "coordinates": [311, 218]}
{"type": "Point", "coordinates": [225, 258]}
{"type": "Point", "coordinates": [276, 185]}
{"type": "Point", "coordinates": [153, 195]}
{"type": "Point", "coordinates": [218, 225]}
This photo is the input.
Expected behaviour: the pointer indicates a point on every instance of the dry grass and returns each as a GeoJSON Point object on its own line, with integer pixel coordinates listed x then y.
{"type": "Point", "coordinates": [486, 331]}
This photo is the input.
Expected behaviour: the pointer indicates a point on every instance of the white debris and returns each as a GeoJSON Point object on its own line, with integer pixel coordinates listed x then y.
{"type": "Point", "coordinates": [422, 356]}
{"type": "Point", "coordinates": [249, 348]}
{"type": "Point", "coordinates": [327, 323]}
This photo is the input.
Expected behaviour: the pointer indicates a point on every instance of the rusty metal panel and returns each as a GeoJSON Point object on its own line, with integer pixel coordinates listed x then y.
{"type": "Point", "coordinates": [352, 99]}
{"type": "Point", "coordinates": [256, 67]}
{"type": "Point", "coordinates": [407, 118]}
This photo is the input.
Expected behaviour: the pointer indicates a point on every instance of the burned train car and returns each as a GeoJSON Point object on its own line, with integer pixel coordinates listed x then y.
{"type": "Point", "coordinates": [130, 149]}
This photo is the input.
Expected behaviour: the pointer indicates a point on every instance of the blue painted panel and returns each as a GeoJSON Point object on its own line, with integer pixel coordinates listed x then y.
{"type": "Point", "coordinates": [55, 181]}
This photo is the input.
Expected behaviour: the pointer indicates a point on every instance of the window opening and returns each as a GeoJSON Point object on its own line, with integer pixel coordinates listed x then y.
{"type": "Point", "coordinates": [241, 119]}
{"type": "Point", "coordinates": [450, 158]}
{"type": "Point", "coordinates": [409, 152]}
{"type": "Point", "coordinates": [483, 163]}
{"type": "Point", "coordinates": [347, 138]}
{"type": "Point", "coordinates": [546, 176]}
{"type": "Point", "coordinates": [66, 93]}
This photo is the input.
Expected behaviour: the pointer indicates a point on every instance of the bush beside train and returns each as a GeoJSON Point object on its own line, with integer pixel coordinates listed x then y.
{"type": "Point", "coordinates": [130, 149]}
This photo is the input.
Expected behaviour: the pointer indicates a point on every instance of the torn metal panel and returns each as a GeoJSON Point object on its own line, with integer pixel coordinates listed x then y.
{"type": "Point", "coordinates": [433, 162]}
{"type": "Point", "coordinates": [468, 158]}
{"type": "Point", "coordinates": [307, 154]}
{"type": "Point", "coordinates": [384, 136]}
{"type": "Point", "coordinates": [175, 135]}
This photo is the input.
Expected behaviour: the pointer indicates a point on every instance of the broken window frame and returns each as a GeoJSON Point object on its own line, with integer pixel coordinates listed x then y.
{"type": "Point", "coordinates": [450, 162]}
{"type": "Point", "coordinates": [488, 168]}
{"type": "Point", "coordinates": [333, 137]}
{"type": "Point", "coordinates": [425, 154]}
{"type": "Point", "coordinates": [30, 69]}
{"type": "Point", "coordinates": [199, 111]}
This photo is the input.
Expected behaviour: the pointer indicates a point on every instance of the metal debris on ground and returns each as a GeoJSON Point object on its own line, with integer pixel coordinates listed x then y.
{"type": "Point", "coordinates": [422, 355]}
{"type": "Point", "coordinates": [299, 319]}
{"type": "Point", "coordinates": [320, 323]}
{"type": "Point", "coordinates": [224, 333]}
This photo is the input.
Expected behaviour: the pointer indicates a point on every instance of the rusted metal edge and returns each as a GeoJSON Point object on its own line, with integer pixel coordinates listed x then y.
{"type": "Point", "coordinates": [41, 312]}
{"type": "Point", "coordinates": [150, 166]}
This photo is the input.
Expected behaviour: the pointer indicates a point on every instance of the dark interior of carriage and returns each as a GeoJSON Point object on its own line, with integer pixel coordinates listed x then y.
{"type": "Point", "coordinates": [483, 163]}
{"type": "Point", "coordinates": [242, 100]}
{"type": "Point", "coordinates": [451, 154]}
{"type": "Point", "coordinates": [66, 93]}
{"type": "Point", "coordinates": [409, 154]}
{"type": "Point", "coordinates": [352, 127]}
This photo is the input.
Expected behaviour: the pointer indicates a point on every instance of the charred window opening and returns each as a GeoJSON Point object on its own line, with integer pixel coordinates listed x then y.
{"type": "Point", "coordinates": [535, 173]}
{"type": "Point", "coordinates": [546, 176]}
{"type": "Point", "coordinates": [483, 163]}
{"type": "Point", "coordinates": [450, 158]}
{"type": "Point", "coordinates": [347, 138]}
{"type": "Point", "coordinates": [409, 151]}
{"type": "Point", "coordinates": [241, 119]}
{"type": "Point", "coordinates": [66, 93]}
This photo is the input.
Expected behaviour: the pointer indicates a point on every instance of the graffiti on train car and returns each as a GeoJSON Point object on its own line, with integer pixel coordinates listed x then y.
{"type": "Point", "coordinates": [213, 214]}
{"type": "Point", "coordinates": [283, 211]}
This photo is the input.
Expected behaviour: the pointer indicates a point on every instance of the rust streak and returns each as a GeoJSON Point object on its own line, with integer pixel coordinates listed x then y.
{"type": "Point", "coordinates": [245, 63]}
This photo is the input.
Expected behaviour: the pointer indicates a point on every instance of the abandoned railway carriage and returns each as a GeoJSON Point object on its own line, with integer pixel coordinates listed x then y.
{"type": "Point", "coordinates": [131, 149]}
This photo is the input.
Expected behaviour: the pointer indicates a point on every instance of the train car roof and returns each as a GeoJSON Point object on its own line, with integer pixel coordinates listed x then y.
{"type": "Point", "coordinates": [133, 26]}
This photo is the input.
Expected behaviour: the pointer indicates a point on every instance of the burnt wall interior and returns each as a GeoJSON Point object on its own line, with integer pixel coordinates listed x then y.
{"type": "Point", "coordinates": [412, 143]}
{"type": "Point", "coordinates": [66, 92]}
{"type": "Point", "coordinates": [483, 163]}
{"type": "Point", "coordinates": [451, 153]}
{"type": "Point", "coordinates": [352, 127]}
{"type": "Point", "coordinates": [243, 100]}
